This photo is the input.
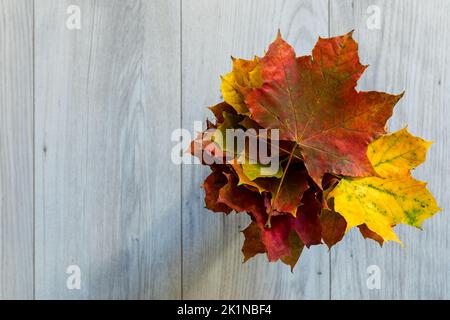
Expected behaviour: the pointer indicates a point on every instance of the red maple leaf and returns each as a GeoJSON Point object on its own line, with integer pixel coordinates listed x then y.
{"type": "Point", "coordinates": [312, 101]}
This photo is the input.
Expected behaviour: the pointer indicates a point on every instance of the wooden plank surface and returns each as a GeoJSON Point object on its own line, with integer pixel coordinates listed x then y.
{"type": "Point", "coordinates": [409, 52]}
{"type": "Point", "coordinates": [107, 193]}
{"type": "Point", "coordinates": [16, 149]}
{"type": "Point", "coordinates": [212, 258]}
{"type": "Point", "coordinates": [108, 197]}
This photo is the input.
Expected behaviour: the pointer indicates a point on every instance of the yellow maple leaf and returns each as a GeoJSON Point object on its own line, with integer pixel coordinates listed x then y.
{"type": "Point", "coordinates": [394, 155]}
{"type": "Point", "coordinates": [382, 203]}
{"type": "Point", "coordinates": [245, 74]}
{"type": "Point", "coordinates": [392, 198]}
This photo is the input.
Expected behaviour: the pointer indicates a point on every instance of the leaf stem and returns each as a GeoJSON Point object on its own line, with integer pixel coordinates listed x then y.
{"type": "Point", "coordinates": [268, 222]}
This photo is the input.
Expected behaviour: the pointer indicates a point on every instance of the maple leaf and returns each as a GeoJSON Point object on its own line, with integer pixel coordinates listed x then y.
{"type": "Point", "coordinates": [333, 227]}
{"type": "Point", "coordinates": [312, 101]}
{"type": "Point", "coordinates": [392, 198]}
{"type": "Point", "coordinates": [394, 155]}
{"type": "Point", "coordinates": [252, 243]}
{"type": "Point", "coordinates": [212, 185]}
{"type": "Point", "coordinates": [281, 241]}
{"type": "Point", "coordinates": [296, 246]}
{"type": "Point", "coordinates": [245, 73]}
{"type": "Point", "coordinates": [382, 203]}
{"type": "Point", "coordinates": [307, 222]}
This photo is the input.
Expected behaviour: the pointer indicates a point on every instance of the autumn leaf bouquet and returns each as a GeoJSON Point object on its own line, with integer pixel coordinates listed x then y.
{"type": "Point", "coordinates": [337, 167]}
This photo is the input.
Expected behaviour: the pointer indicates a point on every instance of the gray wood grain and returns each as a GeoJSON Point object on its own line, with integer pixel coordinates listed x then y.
{"type": "Point", "coordinates": [16, 149]}
{"type": "Point", "coordinates": [107, 194]}
{"type": "Point", "coordinates": [212, 258]}
{"type": "Point", "coordinates": [108, 197]}
{"type": "Point", "coordinates": [409, 52]}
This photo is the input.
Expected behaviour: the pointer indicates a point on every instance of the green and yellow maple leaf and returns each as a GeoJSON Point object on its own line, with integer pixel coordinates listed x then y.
{"type": "Point", "coordinates": [394, 196]}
